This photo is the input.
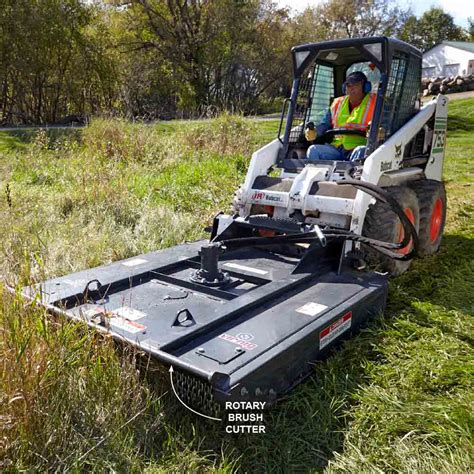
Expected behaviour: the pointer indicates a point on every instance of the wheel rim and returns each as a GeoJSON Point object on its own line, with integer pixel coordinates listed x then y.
{"type": "Point", "coordinates": [401, 234]}
{"type": "Point", "coordinates": [436, 220]}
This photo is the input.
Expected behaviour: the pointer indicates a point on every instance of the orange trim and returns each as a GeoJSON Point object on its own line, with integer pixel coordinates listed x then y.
{"type": "Point", "coordinates": [266, 233]}
{"type": "Point", "coordinates": [369, 110]}
{"type": "Point", "coordinates": [335, 109]}
{"type": "Point", "coordinates": [269, 210]}
{"type": "Point", "coordinates": [401, 234]}
{"type": "Point", "coordinates": [436, 220]}
{"type": "Point", "coordinates": [356, 126]}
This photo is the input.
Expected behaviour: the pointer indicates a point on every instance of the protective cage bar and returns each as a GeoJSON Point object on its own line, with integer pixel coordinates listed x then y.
{"type": "Point", "coordinates": [403, 90]}
{"type": "Point", "coordinates": [314, 97]}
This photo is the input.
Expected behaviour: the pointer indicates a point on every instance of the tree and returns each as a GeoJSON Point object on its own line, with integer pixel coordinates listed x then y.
{"type": "Point", "coordinates": [51, 62]}
{"type": "Point", "coordinates": [434, 26]}
{"type": "Point", "coordinates": [470, 31]}
{"type": "Point", "coordinates": [223, 54]}
{"type": "Point", "coordinates": [356, 18]}
{"type": "Point", "coordinates": [409, 31]}
{"type": "Point", "coordinates": [309, 28]}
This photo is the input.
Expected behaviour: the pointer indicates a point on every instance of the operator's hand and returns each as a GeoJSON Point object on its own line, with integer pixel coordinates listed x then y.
{"type": "Point", "coordinates": [310, 132]}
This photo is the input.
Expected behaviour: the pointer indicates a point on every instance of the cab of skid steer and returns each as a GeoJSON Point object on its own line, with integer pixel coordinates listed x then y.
{"type": "Point", "coordinates": [393, 68]}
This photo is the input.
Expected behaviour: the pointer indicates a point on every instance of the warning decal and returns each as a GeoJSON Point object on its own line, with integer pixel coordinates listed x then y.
{"type": "Point", "coordinates": [134, 262]}
{"type": "Point", "coordinates": [129, 313]}
{"type": "Point", "coordinates": [330, 333]}
{"type": "Point", "coordinates": [241, 340]}
{"type": "Point", "coordinates": [129, 326]}
{"type": "Point", "coordinates": [311, 308]}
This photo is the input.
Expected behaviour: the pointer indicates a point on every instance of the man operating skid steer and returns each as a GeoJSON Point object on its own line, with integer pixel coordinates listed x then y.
{"type": "Point", "coordinates": [351, 111]}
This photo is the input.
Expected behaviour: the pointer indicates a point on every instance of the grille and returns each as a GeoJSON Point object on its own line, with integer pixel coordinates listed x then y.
{"type": "Point", "coordinates": [403, 90]}
{"type": "Point", "coordinates": [197, 394]}
{"type": "Point", "coordinates": [314, 98]}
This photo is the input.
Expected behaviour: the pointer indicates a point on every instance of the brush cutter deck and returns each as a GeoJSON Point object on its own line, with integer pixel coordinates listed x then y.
{"type": "Point", "coordinates": [251, 337]}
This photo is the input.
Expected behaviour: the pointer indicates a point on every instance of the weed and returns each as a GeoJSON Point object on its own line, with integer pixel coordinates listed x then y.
{"type": "Point", "coordinates": [8, 195]}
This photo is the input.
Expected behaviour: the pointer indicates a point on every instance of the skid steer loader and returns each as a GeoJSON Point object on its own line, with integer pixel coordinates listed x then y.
{"type": "Point", "coordinates": [304, 258]}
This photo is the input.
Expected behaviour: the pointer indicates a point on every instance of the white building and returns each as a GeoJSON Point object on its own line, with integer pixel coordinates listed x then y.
{"type": "Point", "coordinates": [449, 58]}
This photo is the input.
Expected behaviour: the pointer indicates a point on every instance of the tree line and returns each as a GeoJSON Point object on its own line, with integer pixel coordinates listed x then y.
{"type": "Point", "coordinates": [70, 59]}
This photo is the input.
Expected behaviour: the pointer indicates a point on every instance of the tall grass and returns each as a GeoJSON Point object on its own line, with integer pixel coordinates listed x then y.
{"type": "Point", "coordinates": [396, 398]}
{"type": "Point", "coordinates": [68, 398]}
{"type": "Point", "coordinates": [123, 189]}
{"type": "Point", "coordinates": [65, 392]}
{"type": "Point", "coordinates": [71, 400]}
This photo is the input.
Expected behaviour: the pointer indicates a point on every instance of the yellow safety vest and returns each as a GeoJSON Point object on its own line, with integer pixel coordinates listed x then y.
{"type": "Point", "coordinates": [358, 119]}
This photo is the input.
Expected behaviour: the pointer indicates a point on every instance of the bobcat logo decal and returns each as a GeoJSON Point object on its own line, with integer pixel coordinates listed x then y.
{"type": "Point", "coordinates": [398, 151]}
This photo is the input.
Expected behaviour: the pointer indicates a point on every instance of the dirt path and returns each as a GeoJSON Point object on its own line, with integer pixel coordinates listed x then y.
{"type": "Point", "coordinates": [35, 127]}
{"type": "Point", "coordinates": [455, 96]}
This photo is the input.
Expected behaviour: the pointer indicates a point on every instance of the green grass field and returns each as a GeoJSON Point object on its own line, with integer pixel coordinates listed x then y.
{"type": "Point", "coordinates": [396, 398]}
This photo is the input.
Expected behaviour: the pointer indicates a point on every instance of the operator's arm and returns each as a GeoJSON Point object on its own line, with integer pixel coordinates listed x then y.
{"type": "Point", "coordinates": [326, 123]}
{"type": "Point", "coordinates": [311, 132]}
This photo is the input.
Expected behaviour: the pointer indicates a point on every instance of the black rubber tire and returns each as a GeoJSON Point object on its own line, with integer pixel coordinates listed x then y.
{"type": "Point", "coordinates": [382, 223]}
{"type": "Point", "coordinates": [428, 193]}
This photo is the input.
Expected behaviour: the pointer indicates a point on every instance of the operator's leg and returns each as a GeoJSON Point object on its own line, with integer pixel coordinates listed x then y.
{"type": "Point", "coordinates": [324, 152]}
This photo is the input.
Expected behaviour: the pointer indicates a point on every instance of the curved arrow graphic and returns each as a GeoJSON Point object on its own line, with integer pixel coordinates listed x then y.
{"type": "Point", "coordinates": [189, 408]}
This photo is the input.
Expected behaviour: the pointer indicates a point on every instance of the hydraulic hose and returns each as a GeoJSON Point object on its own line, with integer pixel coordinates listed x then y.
{"type": "Point", "coordinates": [302, 238]}
{"type": "Point", "coordinates": [309, 237]}
{"type": "Point", "coordinates": [381, 194]}
{"type": "Point", "coordinates": [385, 248]}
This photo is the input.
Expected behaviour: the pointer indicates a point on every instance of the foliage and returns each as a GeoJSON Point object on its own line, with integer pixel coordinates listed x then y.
{"type": "Point", "coordinates": [433, 27]}
{"type": "Point", "coordinates": [356, 18]}
{"type": "Point", "coordinates": [52, 61]}
{"type": "Point", "coordinates": [206, 57]}
{"type": "Point", "coordinates": [69, 60]}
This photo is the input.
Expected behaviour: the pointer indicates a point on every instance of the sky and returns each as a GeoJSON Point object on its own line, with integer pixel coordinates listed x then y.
{"type": "Point", "coordinates": [460, 10]}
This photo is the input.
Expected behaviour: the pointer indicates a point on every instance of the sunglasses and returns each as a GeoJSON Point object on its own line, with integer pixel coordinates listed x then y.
{"type": "Point", "coordinates": [350, 84]}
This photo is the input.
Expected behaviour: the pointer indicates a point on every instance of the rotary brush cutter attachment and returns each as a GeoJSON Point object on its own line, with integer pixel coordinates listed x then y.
{"type": "Point", "coordinates": [239, 317]}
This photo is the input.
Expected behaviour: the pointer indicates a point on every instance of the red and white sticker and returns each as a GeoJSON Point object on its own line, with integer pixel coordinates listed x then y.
{"type": "Point", "coordinates": [126, 325]}
{"type": "Point", "coordinates": [330, 333]}
{"type": "Point", "coordinates": [268, 198]}
{"type": "Point", "coordinates": [115, 320]}
{"type": "Point", "coordinates": [241, 340]}
{"type": "Point", "coordinates": [129, 313]}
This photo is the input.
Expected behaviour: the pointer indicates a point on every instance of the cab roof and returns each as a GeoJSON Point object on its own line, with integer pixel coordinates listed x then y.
{"type": "Point", "coordinates": [344, 52]}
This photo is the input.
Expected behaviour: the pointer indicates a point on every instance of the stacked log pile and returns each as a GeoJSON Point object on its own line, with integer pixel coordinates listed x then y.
{"type": "Point", "coordinates": [447, 85]}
